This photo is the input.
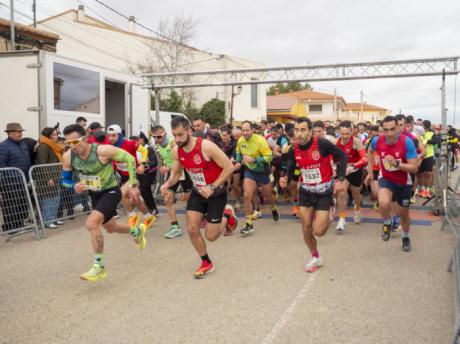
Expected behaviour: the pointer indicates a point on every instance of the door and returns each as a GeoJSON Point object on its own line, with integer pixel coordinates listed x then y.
{"type": "Point", "coordinates": [139, 110]}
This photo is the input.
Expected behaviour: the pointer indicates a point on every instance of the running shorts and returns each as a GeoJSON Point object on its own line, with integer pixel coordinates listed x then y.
{"type": "Point", "coordinates": [401, 193]}
{"type": "Point", "coordinates": [261, 178]}
{"type": "Point", "coordinates": [355, 178]}
{"type": "Point", "coordinates": [106, 202]}
{"type": "Point", "coordinates": [213, 207]}
{"type": "Point", "coordinates": [427, 165]}
{"type": "Point", "coordinates": [317, 201]}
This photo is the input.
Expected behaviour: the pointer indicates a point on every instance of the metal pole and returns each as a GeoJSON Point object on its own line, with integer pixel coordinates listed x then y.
{"type": "Point", "coordinates": [157, 107]}
{"type": "Point", "coordinates": [231, 106]}
{"type": "Point", "coordinates": [360, 118]}
{"type": "Point", "coordinates": [444, 175]}
{"type": "Point", "coordinates": [335, 104]}
{"type": "Point", "coordinates": [13, 44]}
{"type": "Point", "coordinates": [34, 11]}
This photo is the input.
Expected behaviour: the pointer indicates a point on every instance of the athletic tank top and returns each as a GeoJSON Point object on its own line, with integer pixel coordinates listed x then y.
{"type": "Point", "coordinates": [95, 175]}
{"type": "Point", "coordinates": [352, 154]}
{"type": "Point", "coordinates": [398, 151]}
{"type": "Point", "coordinates": [201, 171]}
{"type": "Point", "coordinates": [166, 153]}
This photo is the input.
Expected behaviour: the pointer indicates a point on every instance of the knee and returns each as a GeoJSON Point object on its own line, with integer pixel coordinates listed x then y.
{"type": "Point", "coordinates": [91, 225]}
{"type": "Point", "coordinates": [212, 236]}
{"type": "Point", "coordinates": [193, 230]}
{"type": "Point", "coordinates": [247, 195]}
{"type": "Point", "coordinates": [169, 199]}
{"type": "Point", "coordinates": [384, 204]}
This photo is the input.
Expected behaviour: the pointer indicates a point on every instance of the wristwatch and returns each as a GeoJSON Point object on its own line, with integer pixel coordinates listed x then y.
{"type": "Point", "coordinates": [213, 187]}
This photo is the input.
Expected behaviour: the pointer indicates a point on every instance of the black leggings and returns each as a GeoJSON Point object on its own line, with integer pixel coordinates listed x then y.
{"type": "Point", "coordinates": [146, 181]}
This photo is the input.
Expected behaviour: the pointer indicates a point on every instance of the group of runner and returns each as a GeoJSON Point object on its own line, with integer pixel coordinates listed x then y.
{"type": "Point", "coordinates": [319, 167]}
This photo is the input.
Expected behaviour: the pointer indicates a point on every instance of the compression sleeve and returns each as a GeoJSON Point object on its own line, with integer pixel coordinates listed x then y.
{"type": "Point", "coordinates": [363, 159]}
{"type": "Point", "coordinates": [144, 154]}
{"type": "Point", "coordinates": [328, 148]}
{"type": "Point", "coordinates": [290, 163]}
{"type": "Point", "coordinates": [124, 156]}
{"type": "Point", "coordinates": [238, 155]}
{"type": "Point", "coordinates": [66, 179]}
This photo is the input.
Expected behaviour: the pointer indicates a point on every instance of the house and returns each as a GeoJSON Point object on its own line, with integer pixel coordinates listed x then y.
{"type": "Point", "coordinates": [282, 109]}
{"type": "Point", "coordinates": [26, 37]}
{"type": "Point", "coordinates": [364, 112]}
{"type": "Point", "coordinates": [94, 41]}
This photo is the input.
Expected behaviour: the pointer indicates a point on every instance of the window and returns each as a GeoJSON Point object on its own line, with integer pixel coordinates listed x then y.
{"type": "Point", "coordinates": [254, 96]}
{"type": "Point", "coordinates": [315, 108]}
{"type": "Point", "coordinates": [76, 89]}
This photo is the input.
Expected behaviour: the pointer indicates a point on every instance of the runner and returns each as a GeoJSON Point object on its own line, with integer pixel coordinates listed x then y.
{"type": "Point", "coordinates": [93, 163]}
{"type": "Point", "coordinates": [253, 151]}
{"type": "Point", "coordinates": [398, 159]}
{"type": "Point", "coordinates": [312, 156]}
{"type": "Point", "coordinates": [165, 146]}
{"type": "Point", "coordinates": [426, 168]}
{"type": "Point", "coordinates": [357, 159]}
{"type": "Point", "coordinates": [375, 132]}
{"type": "Point", "coordinates": [209, 168]}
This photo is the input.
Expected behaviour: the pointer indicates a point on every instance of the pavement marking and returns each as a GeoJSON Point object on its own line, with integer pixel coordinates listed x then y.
{"type": "Point", "coordinates": [289, 311]}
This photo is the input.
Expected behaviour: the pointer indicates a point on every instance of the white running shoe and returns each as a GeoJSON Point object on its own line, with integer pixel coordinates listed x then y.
{"type": "Point", "coordinates": [341, 225]}
{"type": "Point", "coordinates": [357, 217]}
{"type": "Point", "coordinates": [313, 264]}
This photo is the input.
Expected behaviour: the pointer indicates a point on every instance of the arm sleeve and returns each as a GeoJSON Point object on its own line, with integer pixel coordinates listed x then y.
{"type": "Point", "coordinates": [411, 151]}
{"type": "Point", "coordinates": [290, 163]}
{"type": "Point", "coordinates": [238, 155]}
{"type": "Point", "coordinates": [265, 151]}
{"type": "Point", "coordinates": [124, 156]}
{"type": "Point", "coordinates": [66, 179]}
{"type": "Point", "coordinates": [327, 148]}
{"type": "Point", "coordinates": [363, 159]}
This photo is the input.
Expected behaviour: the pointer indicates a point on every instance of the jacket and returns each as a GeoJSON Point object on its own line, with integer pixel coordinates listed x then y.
{"type": "Point", "coordinates": [15, 154]}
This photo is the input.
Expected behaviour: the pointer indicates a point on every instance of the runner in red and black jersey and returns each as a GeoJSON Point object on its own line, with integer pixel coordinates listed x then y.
{"type": "Point", "coordinates": [357, 159]}
{"type": "Point", "coordinates": [312, 156]}
{"type": "Point", "coordinates": [209, 169]}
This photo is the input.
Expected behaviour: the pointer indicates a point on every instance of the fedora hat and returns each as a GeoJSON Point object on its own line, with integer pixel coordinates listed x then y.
{"type": "Point", "coordinates": [14, 127]}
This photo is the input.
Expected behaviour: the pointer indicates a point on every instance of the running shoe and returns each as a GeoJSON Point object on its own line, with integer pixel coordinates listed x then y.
{"type": "Point", "coordinates": [341, 225]}
{"type": "Point", "coordinates": [233, 221]}
{"type": "Point", "coordinates": [295, 210]}
{"type": "Point", "coordinates": [247, 229]}
{"type": "Point", "coordinates": [149, 220]}
{"type": "Point", "coordinates": [59, 223]}
{"type": "Point", "coordinates": [275, 214]}
{"type": "Point", "coordinates": [396, 223]}
{"type": "Point", "coordinates": [256, 215]}
{"type": "Point", "coordinates": [386, 229]}
{"type": "Point", "coordinates": [140, 239]}
{"type": "Point", "coordinates": [406, 244]}
{"type": "Point", "coordinates": [412, 200]}
{"type": "Point", "coordinates": [133, 220]}
{"type": "Point", "coordinates": [357, 217]}
{"type": "Point", "coordinates": [376, 206]}
{"type": "Point", "coordinates": [205, 268]}
{"type": "Point", "coordinates": [173, 232]}
{"type": "Point", "coordinates": [96, 273]}
{"type": "Point", "coordinates": [313, 264]}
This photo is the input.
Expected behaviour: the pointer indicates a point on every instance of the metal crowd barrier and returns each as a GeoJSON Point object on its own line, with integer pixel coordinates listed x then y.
{"type": "Point", "coordinates": [54, 202]}
{"type": "Point", "coordinates": [17, 211]}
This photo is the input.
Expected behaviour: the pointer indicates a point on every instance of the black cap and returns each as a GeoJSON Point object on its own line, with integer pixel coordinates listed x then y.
{"type": "Point", "coordinates": [95, 125]}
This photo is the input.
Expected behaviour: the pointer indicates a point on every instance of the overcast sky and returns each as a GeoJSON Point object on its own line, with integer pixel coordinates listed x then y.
{"type": "Point", "coordinates": [297, 32]}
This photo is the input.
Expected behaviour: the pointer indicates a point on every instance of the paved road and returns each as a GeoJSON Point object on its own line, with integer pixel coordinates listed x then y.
{"type": "Point", "coordinates": [368, 291]}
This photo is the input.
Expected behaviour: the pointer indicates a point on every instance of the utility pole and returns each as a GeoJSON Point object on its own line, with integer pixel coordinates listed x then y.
{"type": "Point", "coordinates": [335, 104]}
{"type": "Point", "coordinates": [13, 44]}
{"type": "Point", "coordinates": [231, 105]}
{"type": "Point", "coordinates": [361, 108]}
{"type": "Point", "coordinates": [34, 11]}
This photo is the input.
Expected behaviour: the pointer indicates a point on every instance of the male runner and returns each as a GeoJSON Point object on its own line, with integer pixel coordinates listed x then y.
{"type": "Point", "coordinates": [398, 159]}
{"type": "Point", "coordinates": [313, 156]}
{"type": "Point", "coordinates": [357, 159]}
{"type": "Point", "coordinates": [253, 151]}
{"type": "Point", "coordinates": [165, 146]}
{"type": "Point", "coordinates": [93, 163]}
{"type": "Point", "coordinates": [209, 168]}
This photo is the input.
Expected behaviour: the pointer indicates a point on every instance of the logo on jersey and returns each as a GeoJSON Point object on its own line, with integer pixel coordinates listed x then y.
{"type": "Point", "coordinates": [197, 159]}
{"type": "Point", "coordinates": [397, 154]}
{"type": "Point", "coordinates": [315, 155]}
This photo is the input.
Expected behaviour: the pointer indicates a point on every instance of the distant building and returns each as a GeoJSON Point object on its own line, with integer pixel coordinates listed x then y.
{"type": "Point", "coordinates": [282, 109]}
{"type": "Point", "coordinates": [371, 113]}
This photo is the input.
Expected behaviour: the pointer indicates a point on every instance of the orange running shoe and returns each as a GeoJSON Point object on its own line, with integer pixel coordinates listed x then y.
{"type": "Point", "coordinates": [295, 210]}
{"type": "Point", "coordinates": [205, 268]}
{"type": "Point", "coordinates": [133, 220]}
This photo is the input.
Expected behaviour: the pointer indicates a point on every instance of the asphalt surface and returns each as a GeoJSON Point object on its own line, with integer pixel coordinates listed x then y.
{"type": "Point", "coordinates": [368, 291]}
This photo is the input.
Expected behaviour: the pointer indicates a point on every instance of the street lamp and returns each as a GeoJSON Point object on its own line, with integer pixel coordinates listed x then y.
{"type": "Point", "coordinates": [238, 92]}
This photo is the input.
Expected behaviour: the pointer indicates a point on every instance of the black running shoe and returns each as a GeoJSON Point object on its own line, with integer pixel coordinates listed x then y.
{"type": "Point", "coordinates": [275, 214]}
{"type": "Point", "coordinates": [247, 229]}
{"type": "Point", "coordinates": [386, 229]}
{"type": "Point", "coordinates": [406, 244]}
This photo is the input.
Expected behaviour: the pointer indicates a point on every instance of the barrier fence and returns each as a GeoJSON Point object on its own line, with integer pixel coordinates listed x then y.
{"type": "Point", "coordinates": [17, 210]}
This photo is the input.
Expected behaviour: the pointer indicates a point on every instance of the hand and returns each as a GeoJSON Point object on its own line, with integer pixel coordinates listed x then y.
{"type": "Point", "coordinates": [283, 182]}
{"type": "Point", "coordinates": [206, 191]}
{"type": "Point", "coordinates": [339, 187]}
{"type": "Point", "coordinates": [390, 160]}
{"type": "Point", "coordinates": [164, 169]}
{"type": "Point", "coordinates": [51, 182]}
{"type": "Point", "coordinates": [369, 179]}
{"type": "Point", "coordinates": [134, 194]}
{"type": "Point", "coordinates": [140, 169]}
{"type": "Point", "coordinates": [164, 189]}
{"type": "Point", "coordinates": [248, 159]}
{"type": "Point", "coordinates": [237, 166]}
{"type": "Point", "coordinates": [80, 187]}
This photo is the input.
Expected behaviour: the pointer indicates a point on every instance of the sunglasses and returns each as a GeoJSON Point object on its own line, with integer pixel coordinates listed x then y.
{"type": "Point", "coordinates": [74, 142]}
{"type": "Point", "coordinates": [158, 136]}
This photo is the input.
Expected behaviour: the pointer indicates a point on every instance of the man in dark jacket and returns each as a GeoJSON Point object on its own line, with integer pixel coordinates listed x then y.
{"type": "Point", "coordinates": [14, 153]}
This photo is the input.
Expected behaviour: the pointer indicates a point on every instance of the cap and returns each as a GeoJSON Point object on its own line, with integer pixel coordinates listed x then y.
{"type": "Point", "coordinates": [14, 127]}
{"type": "Point", "coordinates": [95, 125]}
{"type": "Point", "coordinates": [114, 128]}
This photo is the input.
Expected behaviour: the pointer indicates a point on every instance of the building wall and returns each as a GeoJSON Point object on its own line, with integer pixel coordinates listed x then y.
{"type": "Point", "coordinates": [121, 51]}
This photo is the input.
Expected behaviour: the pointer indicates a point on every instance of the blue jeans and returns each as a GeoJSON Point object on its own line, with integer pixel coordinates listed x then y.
{"type": "Point", "coordinates": [50, 205]}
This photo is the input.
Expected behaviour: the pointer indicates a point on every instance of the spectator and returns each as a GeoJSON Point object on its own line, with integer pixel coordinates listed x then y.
{"type": "Point", "coordinates": [96, 134]}
{"type": "Point", "coordinates": [148, 178]}
{"type": "Point", "coordinates": [49, 151]}
{"type": "Point", "coordinates": [199, 125]}
{"type": "Point", "coordinates": [81, 121]}
{"type": "Point", "coordinates": [32, 146]}
{"type": "Point", "coordinates": [14, 153]}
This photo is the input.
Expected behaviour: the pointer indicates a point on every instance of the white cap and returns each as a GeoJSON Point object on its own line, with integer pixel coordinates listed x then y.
{"type": "Point", "coordinates": [114, 128]}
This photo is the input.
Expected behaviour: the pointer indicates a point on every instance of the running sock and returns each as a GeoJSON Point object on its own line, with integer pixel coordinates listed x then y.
{"type": "Point", "coordinates": [296, 201]}
{"type": "Point", "coordinates": [227, 216]}
{"type": "Point", "coordinates": [405, 234]}
{"type": "Point", "coordinates": [99, 259]}
{"type": "Point", "coordinates": [135, 231]}
{"type": "Point", "coordinates": [175, 224]}
{"type": "Point", "coordinates": [315, 254]}
{"type": "Point", "coordinates": [132, 213]}
{"type": "Point", "coordinates": [357, 207]}
{"type": "Point", "coordinates": [273, 207]}
{"type": "Point", "coordinates": [387, 221]}
{"type": "Point", "coordinates": [205, 258]}
{"type": "Point", "coordinates": [249, 220]}
{"type": "Point", "coordinates": [395, 219]}
{"type": "Point", "coordinates": [342, 215]}
{"type": "Point", "coordinates": [148, 213]}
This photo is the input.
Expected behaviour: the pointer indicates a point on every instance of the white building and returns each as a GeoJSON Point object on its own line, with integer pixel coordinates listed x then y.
{"type": "Point", "coordinates": [91, 40]}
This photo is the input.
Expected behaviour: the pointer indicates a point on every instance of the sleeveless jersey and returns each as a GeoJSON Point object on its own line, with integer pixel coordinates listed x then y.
{"type": "Point", "coordinates": [166, 153]}
{"type": "Point", "coordinates": [352, 154]}
{"type": "Point", "coordinates": [95, 175]}
{"type": "Point", "coordinates": [398, 151]}
{"type": "Point", "coordinates": [201, 171]}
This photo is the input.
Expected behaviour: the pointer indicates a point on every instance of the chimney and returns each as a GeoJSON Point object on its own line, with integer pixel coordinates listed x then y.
{"type": "Point", "coordinates": [132, 24]}
{"type": "Point", "coordinates": [81, 13]}
{"type": "Point", "coordinates": [277, 91]}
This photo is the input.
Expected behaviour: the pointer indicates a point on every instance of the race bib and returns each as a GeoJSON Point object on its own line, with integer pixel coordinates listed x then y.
{"type": "Point", "coordinates": [122, 166]}
{"type": "Point", "coordinates": [311, 176]}
{"type": "Point", "coordinates": [390, 167]}
{"type": "Point", "coordinates": [92, 183]}
{"type": "Point", "coordinates": [197, 179]}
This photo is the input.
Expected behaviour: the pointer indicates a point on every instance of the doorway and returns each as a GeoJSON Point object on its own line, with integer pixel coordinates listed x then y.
{"type": "Point", "coordinates": [115, 104]}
